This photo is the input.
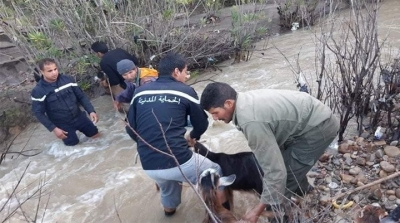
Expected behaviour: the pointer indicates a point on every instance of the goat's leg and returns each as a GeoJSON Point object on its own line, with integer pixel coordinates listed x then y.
{"type": "Point", "coordinates": [226, 198]}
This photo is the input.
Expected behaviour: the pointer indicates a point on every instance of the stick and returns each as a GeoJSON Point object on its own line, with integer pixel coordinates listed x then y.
{"type": "Point", "coordinates": [366, 186]}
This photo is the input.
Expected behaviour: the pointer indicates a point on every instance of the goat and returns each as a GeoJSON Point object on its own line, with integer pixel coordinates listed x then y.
{"type": "Point", "coordinates": [244, 165]}
{"type": "Point", "coordinates": [369, 214]}
{"type": "Point", "coordinates": [208, 184]}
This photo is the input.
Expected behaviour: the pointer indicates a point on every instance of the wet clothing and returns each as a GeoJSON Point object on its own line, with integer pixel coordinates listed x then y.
{"type": "Point", "coordinates": [170, 180]}
{"type": "Point", "coordinates": [57, 104]}
{"type": "Point", "coordinates": [168, 102]}
{"type": "Point", "coordinates": [287, 131]}
{"type": "Point", "coordinates": [126, 95]}
{"type": "Point", "coordinates": [81, 123]}
{"type": "Point", "coordinates": [108, 65]}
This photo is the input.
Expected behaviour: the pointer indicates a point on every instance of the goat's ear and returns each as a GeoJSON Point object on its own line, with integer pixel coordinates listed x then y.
{"type": "Point", "coordinates": [226, 181]}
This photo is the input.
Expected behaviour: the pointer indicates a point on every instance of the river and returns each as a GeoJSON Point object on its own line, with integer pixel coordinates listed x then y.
{"type": "Point", "coordinates": [98, 180]}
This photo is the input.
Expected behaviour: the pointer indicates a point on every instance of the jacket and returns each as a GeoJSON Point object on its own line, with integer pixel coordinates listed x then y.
{"type": "Point", "coordinates": [58, 102]}
{"type": "Point", "coordinates": [165, 102]}
{"type": "Point", "coordinates": [272, 119]}
{"type": "Point", "coordinates": [108, 65]}
{"type": "Point", "coordinates": [144, 76]}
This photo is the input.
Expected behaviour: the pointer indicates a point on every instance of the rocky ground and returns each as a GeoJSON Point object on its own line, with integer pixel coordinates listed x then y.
{"type": "Point", "coordinates": [358, 163]}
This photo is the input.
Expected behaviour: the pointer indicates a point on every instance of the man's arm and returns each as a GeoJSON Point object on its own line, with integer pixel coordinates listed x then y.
{"type": "Point", "coordinates": [39, 110]}
{"type": "Point", "coordinates": [264, 146]}
{"type": "Point", "coordinates": [126, 95]}
{"type": "Point", "coordinates": [112, 76]}
{"type": "Point", "coordinates": [198, 117]}
{"type": "Point", "coordinates": [81, 97]}
{"type": "Point", "coordinates": [131, 119]}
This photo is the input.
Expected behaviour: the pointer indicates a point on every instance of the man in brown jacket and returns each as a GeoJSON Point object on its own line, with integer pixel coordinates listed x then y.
{"type": "Point", "coordinates": [287, 131]}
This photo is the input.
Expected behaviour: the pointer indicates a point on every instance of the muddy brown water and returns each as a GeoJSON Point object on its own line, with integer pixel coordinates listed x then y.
{"type": "Point", "coordinates": [98, 180]}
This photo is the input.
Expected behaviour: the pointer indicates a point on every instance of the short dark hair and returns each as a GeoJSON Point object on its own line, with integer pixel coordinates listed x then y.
{"type": "Point", "coordinates": [45, 61]}
{"type": "Point", "coordinates": [169, 62]}
{"type": "Point", "coordinates": [215, 94]}
{"type": "Point", "coordinates": [99, 47]}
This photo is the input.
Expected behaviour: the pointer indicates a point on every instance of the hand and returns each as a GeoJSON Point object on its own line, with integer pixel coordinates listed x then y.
{"type": "Point", "coordinates": [190, 141]}
{"type": "Point", "coordinates": [93, 117]}
{"type": "Point", "coordinates": [117, 105]}
{"type": "Point", "coordinates": [61, 134]}
{"type": "Point", "coordinates": [104, 83]}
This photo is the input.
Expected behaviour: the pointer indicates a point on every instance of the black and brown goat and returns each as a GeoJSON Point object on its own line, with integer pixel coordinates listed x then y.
{"type": "Point", "coordinates": [249, 175]}
{"type": "Point", "coordinates": [208, 185]}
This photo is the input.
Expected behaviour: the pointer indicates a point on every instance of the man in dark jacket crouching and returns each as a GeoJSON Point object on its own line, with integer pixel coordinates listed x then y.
{"type": "Point", "coordinates": [55, 102]}
{"type": "Point", "coordinates": [158, 113]}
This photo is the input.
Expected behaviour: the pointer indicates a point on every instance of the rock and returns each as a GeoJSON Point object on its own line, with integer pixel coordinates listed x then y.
{"type": "Point", "coordinates": [398, 201]}
{"type": "Point", "coordinates": [361, 178]}
{"type": "Point", "coordinates": [325, 200]}
{"type": "Point", "coordinates": [369, 163]}
{"type": "Point", "coordinates": [365, 135]}
{"type": "Point", "coordinates": [344, 148]}
{"type": "Point", "coordinates": [375, 194]}
{"type": "Point", "coordinates": [336, 162]}
{"type": "Point", "coordinates": [360, 161]}
{"type": "Point", "coordinates": [392, 198]}
{"type": "Point", "coordinates": [371, 157]}
{"type": "Point", "coordinates": [380, 143]}
{"type": "Point", "coordinates": [394, 143]}
{"type": "Point", "coordinates": [325, 157]}
{"type": "Point", "coordinates": [360, 141]}
{"type": "Point", "coordinates": [382, 174]}
{"type": "Point", "coordinates": [348, 161]}
{"type": "Point", "coordinates": [379, 153]}
{"type": "Point", "coordinates": [346, 178]}
{"type": "Point", "coordinates": [390, 206]}
{"type": "Point", "coordinates": [390, 192]}
{"type": "Point", "coordinates": [392, 151]}
{"type": "Point", "coordinates": [354, 181]}
{"type": "Point", "coordinates": [354, 147]}
{"type": "Point", "coordinates": [397, 193]}
{"type": "Point", "coordinates": [387, 167]}
{"type": "Point", "coordinates": [335, 180]}
{"type": "Point", "coordinates": [356, 199]}
{"type": "Point", "coordinates": [369, 147]}
{"type": "Point", "coordinates": [355, 170]}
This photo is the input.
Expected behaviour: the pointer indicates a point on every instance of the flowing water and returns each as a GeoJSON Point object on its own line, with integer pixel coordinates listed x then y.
{"type": "Point", "coordinates": [99, 181]}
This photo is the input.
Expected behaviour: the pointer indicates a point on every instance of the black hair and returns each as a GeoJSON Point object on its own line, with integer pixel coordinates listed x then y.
{"type": "Point", "coordinates": [45, 61]}
{"type": "Point", "coordinates": [215, 94]}
{"type": "Point", "coordinates": [169, 62]}
{"type": "Point", "coordinates": [99, 47]}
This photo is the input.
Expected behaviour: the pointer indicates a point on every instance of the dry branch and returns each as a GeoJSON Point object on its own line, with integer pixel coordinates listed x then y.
{"type": "Point", "coordinates": [397, 174]}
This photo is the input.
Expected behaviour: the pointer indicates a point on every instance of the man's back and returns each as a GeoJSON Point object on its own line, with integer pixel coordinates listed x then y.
{"type": "Point", "coordinates": [167, 102]}
{"type": "Point", "coordinates": [109, 62]}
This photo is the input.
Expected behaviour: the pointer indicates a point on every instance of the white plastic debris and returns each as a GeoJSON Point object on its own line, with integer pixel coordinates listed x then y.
{"type": "Point", "coordinates": [334, 145]}
{"type": "Point", "coordinates": [302, 81]}
{"type": "Point", "coordinates": [295, 26]}
{"type": "Point", "coordinates": [333, 185]}
{"type": "Point", "coordinates": [378, 133]}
